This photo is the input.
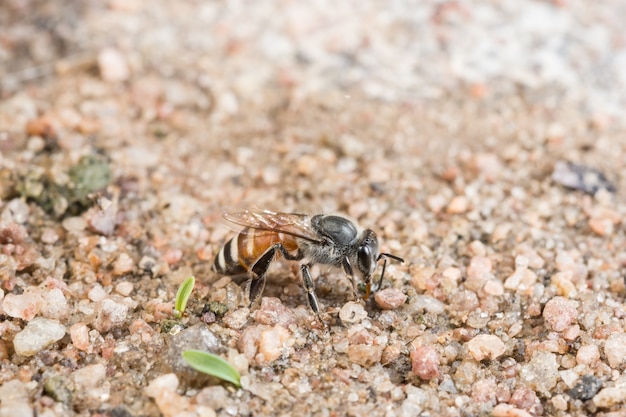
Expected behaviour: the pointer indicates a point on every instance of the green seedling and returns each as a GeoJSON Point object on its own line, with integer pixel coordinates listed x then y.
{"type": "Point", "coordinates": [182, 295]}
{"type": "Point", "coordinates": [213, 365]}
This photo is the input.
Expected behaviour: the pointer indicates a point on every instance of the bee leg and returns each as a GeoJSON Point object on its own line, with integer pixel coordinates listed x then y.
{"type": "Point", "coordinates": [256, 284]}
{"type": "Point", "coordinates": [310, 291]}
{"type": "Point", "coordinates": [347, 268]}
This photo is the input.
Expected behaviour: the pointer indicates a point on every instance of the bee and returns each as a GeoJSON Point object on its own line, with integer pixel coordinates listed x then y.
{"type": "Point", "coordinates": [318, 239]}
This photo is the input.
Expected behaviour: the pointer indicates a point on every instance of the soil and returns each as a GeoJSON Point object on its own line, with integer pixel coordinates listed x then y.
{"type": "Point", "coordinates": [483, 143]}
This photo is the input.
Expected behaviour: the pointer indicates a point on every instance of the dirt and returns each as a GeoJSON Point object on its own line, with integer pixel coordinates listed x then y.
{"type": "Point", "coordinates": [483, 143]}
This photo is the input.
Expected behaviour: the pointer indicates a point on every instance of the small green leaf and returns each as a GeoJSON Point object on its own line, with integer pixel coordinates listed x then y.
{"type": "Point", "coordinates": [211, 364]}
{"type": "Point", "coordinates": [182, 295]}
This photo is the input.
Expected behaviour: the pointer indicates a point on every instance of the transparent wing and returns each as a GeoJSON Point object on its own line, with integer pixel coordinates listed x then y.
{"type": "Point", "coordinates": [294, 224]}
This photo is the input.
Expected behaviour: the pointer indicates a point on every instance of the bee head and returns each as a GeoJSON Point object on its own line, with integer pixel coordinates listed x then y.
{"type": "Point", "coordinates": [367, 257]}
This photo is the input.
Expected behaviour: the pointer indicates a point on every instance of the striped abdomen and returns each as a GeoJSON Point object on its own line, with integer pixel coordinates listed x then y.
{"type": "Point", "coordinates": [241, 252]}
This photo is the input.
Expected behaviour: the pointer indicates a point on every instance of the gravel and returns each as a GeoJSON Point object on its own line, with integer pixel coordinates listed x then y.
{"type": "Point", "coordinates": [482, 142]}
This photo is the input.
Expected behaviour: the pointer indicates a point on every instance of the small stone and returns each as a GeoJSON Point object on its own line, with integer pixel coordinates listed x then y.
{"type": "Point", "coordinates": [123, 265]}
{"type": "Point", "coordinates": [109, 314]}
{"type": "Point", "coordinates": [526, 399]}
{"type": "Point", "coordinates": [124, 288]}
{"type": "Point", "coordinates": [425, 362]}
{"type": "Point", "coordinates": [272, 312]}
{"type": "Point", "coordinates": [485, 346]}
{"type": "Point", "coordinates": [197, 337]}
{"type": "Point", "coordinates": [306, 165]}
{"type": "Point", "coordinates": [352, 312]}
{"type": "Point", "coordinates": [560, 312]}
{"type": "Point", "coordinates": [478, 272]}
{"type": "Point", "coordinates": [588, 355]}
{"type": "Point", "coordinates": [236, 319]}
{"type": "Point", "coordinates": [365, 355]}
{"type": "Point", "coordinates": [97, 293]}
{"type": "Point", "coordinates": [112, 65]}
{"type": "Point", "coordinates": [74, 224]}
{"type": "Point", "coordinates": [272, 344]}
{"type": "Point", "coordinates": [458, 205]}
{"type": "Point", "coordinates": [79, 334]}
{"type": "Point", "coordinates": [54, 305]}
{"type": "Point", "coordinates": [586, 389]}
{"type": "Point", "coordinates": [91, 376]}
{"type": "Point", "coordinates": [428, 304]}
{"type": "Point", "coordinates": [24, 306]}
{"type": "Point", "coordinates": [615, 349]}
{"type": "Point", "coordinates": [507, 410]}
{"type": "Point", "coordinates": [541, 372]}
{"type": "Point", "coordinates": [494, 287]}
{"type": "Point", "coordinates": [610, 396]}
{"type": "Point", "coordinates": [163, 390]}
{"type": "Point", "coordinates": [15, 399]}
{"type": "Point", "coordinates": [38, 334]}
{"type": "Point", "coordinates": [390, 298]}
{"type": "Point", "coordinates": [463, 300]}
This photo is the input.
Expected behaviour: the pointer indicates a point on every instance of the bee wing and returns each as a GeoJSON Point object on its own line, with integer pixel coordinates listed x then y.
{"type": "Point", "coordinates": [294, 224]}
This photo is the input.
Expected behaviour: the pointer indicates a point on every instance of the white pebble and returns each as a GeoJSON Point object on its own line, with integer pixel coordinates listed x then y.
{"type": "Point", "coordinates": [615, 349]}
{"type": "Point", "coordinates": [352, 312]}
{"type": "Point", "coordinates": [24, 306]}
{"type": "Point", "coordinates": [37, 335]}
{"type": "Point", "coordinates": [109, 314]}
{"type": "Point", "coordinates": [15, 399]}
{"type": "Point", "coordinates": [485, 346]}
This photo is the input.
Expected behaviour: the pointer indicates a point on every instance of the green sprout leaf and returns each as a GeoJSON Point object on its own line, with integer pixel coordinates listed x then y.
{"type": "Point", "coordinates": [211, 364]}
{"type": "Point", "coordinates": [182, 295]}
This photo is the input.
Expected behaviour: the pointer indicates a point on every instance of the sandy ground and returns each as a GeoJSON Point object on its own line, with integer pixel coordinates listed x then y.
{"type": "Point", "coordinates": [128, 127]}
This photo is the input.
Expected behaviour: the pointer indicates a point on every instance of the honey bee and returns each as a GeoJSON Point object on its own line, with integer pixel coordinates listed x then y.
{"type": "Point", "coordinates": [318, 239]}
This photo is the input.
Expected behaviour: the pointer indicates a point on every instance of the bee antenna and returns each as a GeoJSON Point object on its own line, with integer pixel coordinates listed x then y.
{"type": "Point", "coordinates": [388, 255]}
{"type": "Point", "coordinates": [382, 273]}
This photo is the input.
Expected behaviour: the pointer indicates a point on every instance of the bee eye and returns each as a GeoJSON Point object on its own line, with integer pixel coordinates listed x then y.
{"type": "Point", "coordinates": [364, 255]}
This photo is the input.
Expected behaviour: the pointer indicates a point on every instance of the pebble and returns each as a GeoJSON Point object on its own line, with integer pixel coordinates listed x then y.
{"type": "Point", "coordinates": [506, 410]}
{"type": "Point", "coordinates": [586, 389]}
{"type": "Point", "coordinates": [365, 355]}
{"type": "Point", "coordinates": [163, 390]}
{"type": "Point", "coordinates": [390, 298]}
{"type": "Point", "coordinates": [615, 350]}
{"type": "Point", "coordinates": [97, 293]}
{"type": "Point", "coordinates": [124, 288]}
{"type": "Point", "coordinates": [23, 306]}
{"type": "Point", "coordinates": [79, 333]}
{"type": "Point", "coordinates": [463, 300]}
{"type": "Point", "coordinates": [15, 399]}
{"type": "Point", "coordinates": [272, 344]}
{"type": "Point", "coordinates": [523, 278]}
{"type": "Point", "coordinates": [428, 304]}
{"type": "Point", "coordinates": [425, 362]}
{"type": "Point", "coordinates": [478, 272]}
{"type": "Point", "coordinates": [272, 311]}
{"type": "Point", "coordinates": [588, 355]}
{"type": "Point", "coordinates": [352, 312]}
{"type": "Point", "coordinates": [109, 314]}
{"type": "Point", "coordinates": [38, 334]}
{"type": "Point", "coordinates": [74, 224]}
{"type": "Point", "coordinates": [458, 205]}
{"type": "Point", "coordinates": [196, 337]}
{"type": "Point", "coordinates": [560, 312]}
{"type": "Point", "coordinates": [541, 372]}
{"type": "Point", "coordinates": [236, 319]}
{"type": "Point", "coordinates": [610, 396]}
{"type": "Point", "coordinates": [54, 305]}
{"type": "Point", "coordinates": [123, 265]}
{"type": "Point", "coordinates": [485, 346]}
{"type": "Point", "coordinates": [89, 377]}
{"type": "Point", "coordinates": [563, 282]}
{"type": "Point", "coordinates": [112, 65]}
{"type": "Point", "coordinates": [526, 399]}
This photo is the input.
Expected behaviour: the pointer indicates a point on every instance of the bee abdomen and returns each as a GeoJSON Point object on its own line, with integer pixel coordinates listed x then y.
{"type": "Point", "coordinates": [227, 260]}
